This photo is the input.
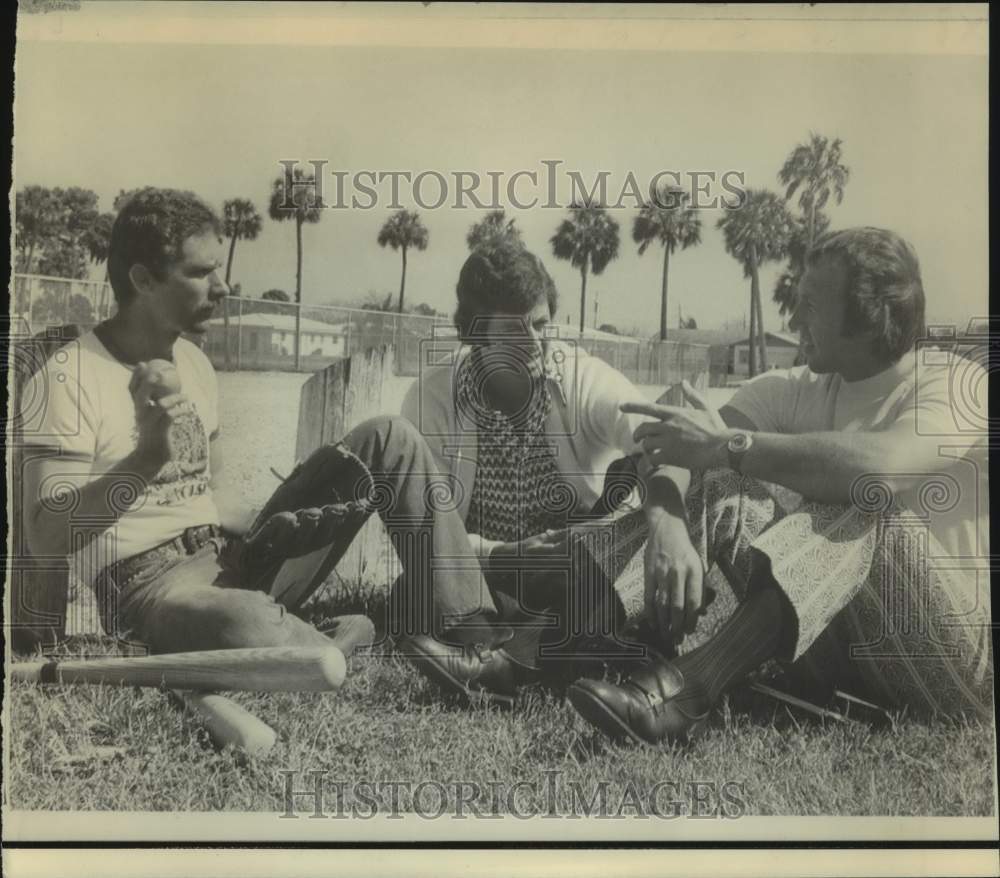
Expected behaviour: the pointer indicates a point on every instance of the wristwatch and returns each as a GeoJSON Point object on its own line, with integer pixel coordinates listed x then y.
{"type": "Point", "coordinates": [737, 446]}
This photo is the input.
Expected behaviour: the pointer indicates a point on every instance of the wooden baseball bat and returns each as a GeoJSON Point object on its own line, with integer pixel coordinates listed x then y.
{"type": "Point", "coordinates": [262, 669]}
{"type": "Point", "coordinates": [227, 722]}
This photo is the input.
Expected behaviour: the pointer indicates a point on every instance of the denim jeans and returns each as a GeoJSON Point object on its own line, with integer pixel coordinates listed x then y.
{"type": "Point", "coordinates": [183, 600]}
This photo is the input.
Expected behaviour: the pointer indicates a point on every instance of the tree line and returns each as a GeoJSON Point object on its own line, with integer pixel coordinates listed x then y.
{"type": "Point", "coordinates": [60, 231]}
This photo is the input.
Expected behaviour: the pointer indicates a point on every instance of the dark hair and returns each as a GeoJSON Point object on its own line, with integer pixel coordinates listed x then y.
{"type": "Point", "coordinates": [150, 229]}
{"type": "Point", "coordinates": [501, 278]}
{"type": "Point", "coordinates": [884, 290]}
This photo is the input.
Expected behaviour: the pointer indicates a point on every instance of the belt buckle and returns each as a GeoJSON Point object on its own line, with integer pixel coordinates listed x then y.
{"type": "Point", "coordinates": [194, 538]}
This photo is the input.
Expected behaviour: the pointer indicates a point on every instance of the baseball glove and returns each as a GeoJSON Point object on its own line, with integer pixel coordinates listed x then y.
{"type": "Point", "coordinates": [323, 503]}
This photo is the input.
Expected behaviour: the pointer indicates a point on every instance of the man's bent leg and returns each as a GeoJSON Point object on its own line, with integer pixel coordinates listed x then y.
{"type": "Point", "coordinates": [799, 571]}
{"type": "Point", "coordinates": [441, 613]}
{"type": "Point", "coordinates": [442, 583]}
{"type": "Point", "coordinates": [182, 609]}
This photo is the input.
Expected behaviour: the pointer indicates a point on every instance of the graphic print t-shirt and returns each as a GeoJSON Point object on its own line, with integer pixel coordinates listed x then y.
{"type": "Point", "coordinates": [81, 404]}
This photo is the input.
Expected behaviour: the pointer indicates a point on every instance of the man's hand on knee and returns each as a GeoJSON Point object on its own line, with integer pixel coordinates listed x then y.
{"type": "Point", "coordinates": [674, 593]}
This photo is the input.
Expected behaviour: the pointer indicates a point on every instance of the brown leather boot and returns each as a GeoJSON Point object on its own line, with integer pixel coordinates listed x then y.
{"type": "Point", "coordinates": [644, 708]}
{"type": "Point", "coordinates": [477, 669]}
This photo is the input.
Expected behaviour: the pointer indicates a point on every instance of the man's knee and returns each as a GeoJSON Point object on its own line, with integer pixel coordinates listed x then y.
{"type": "Point", "coordinates": [391, 431]}
{"type": "Point", "coordinates": [384, 441]}
{"type": "Point", "coordinates": [217, 618]}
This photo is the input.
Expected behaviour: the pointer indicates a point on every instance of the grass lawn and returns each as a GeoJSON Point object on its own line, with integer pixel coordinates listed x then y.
{"type": "Point", "coordinates": [129, 749]}
{"type": "Point", "coordinates": [387, 723]}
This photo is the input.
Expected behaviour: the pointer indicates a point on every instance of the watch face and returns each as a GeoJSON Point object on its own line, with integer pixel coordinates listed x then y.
{"type": "Point", "coordinates": [739, 442]}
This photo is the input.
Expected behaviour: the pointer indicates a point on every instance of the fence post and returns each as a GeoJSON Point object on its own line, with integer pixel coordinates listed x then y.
{"type": "Point", "coordinates": [225, 320]}
{"type": "Point", "coordinates": [332, 402]}
{"type": "Point", "coordinates": [239, 334]}
{"type": "Point", "coordinates": [298, 336]}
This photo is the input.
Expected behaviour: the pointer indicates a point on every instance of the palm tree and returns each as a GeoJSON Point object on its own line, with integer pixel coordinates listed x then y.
{"type": "Point", "coordinates": [492, 228]}
{"type": "Point", "coordinates": [401, 231]}
{"type": "Point", "coordinates": [786, 289]}
{"type": "Point", "coordinates": [755, 233]}
{"type": "Point", "coordinates": [239, 220]}
{"type": "Point", "coordinates": [673, 223]}
{"type": "Point", "coordinates": [294, 196]}
{"type": "Point", "coordinates": [589, 240]}
{"type": "Point", "coordinates": [816, 172]}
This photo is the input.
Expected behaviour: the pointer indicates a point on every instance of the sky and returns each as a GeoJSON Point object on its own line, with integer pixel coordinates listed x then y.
{"type": "Point", "coordinates": [217, 119]}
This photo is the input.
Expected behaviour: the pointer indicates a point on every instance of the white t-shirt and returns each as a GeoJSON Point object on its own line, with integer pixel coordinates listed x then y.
{"type": "Point", "coordinates": [79, 402]}
{"type": "Point", "coordinates": [928, 393]}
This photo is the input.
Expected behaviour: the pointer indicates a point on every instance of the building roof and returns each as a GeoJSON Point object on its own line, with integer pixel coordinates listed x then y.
{"type": "Point", "coordinates": [281, 323]}
{"type": "Point", "coordinates": [568, 333]}
{"type": "Point", "coordinates": [785, 338]}
{"type": "Point", "coordinates": [705, 336]}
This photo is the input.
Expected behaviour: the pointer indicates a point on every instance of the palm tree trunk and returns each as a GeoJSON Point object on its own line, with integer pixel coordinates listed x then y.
{"type": "Point", "coordinates": [298, 291]}
{"type": "Point", "coordinates": [756, 304]}
{"type": "Point", "coordinates": [229, 262]}
{"type": "Point", "coordinates": [398, 340]}
{"type": "Point", "coordinates": [761, 333]}
{"type": "Point", "coordinates": [752, 339]}
{"type": "Point", "coordinates": [663, 294]}
{"type": "Point", "coordinates": [812, 224]}
{"type": "Point", "coordinates": [402, 281]}
{"type": "Point", "coordinates": [583, 293]}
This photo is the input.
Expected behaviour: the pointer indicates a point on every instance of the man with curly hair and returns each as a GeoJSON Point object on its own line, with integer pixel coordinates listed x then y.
{"type": "Point", "coordinates": [550, 484]}
{"type": "Point", "coordinates": [125, 466]}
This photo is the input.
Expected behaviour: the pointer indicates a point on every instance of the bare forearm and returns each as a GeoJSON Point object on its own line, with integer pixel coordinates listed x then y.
{"type": "Point", "coordinates": [665, 489]}
{"type": "Point", "coordinates": [824, 466]}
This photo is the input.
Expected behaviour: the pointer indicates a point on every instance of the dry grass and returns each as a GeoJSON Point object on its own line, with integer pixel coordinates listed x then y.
{"type": "Point", "coordinates": [387, 723]}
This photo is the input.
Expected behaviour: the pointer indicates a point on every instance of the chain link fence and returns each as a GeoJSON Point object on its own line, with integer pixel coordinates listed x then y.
{"type": "Point", "coordinates": [41, 301]}
{"type": "Point", "coordinates": [273, 336]}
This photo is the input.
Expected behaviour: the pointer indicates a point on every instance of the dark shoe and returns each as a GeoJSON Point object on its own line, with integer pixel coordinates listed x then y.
{"type": "Point", "coordinates": [474, 671]}
{"type": "Point", "coordinates": [644, 708]}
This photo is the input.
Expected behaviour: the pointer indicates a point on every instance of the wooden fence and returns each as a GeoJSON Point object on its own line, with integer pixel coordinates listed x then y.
{"type": "Point", "coordinates": [333, 402]}
{"type": "Point", "coordinates": [338, 398]}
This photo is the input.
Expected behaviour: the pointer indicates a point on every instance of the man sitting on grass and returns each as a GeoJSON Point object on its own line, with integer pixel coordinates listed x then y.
{"type": "Point", "coordinates": [845, 500]}
{"type": "Point", "coordinates": [541, 459]}
{"type": "Point", "coordinates": [125, 467]}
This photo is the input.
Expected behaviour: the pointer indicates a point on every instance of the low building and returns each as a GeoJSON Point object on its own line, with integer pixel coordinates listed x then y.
{"type": "Point", "coordinates": [260, 340]}
{"type": "Point", "coordinates": [719, 342]}
{"type": "Point", "coordinates": [782, 351]}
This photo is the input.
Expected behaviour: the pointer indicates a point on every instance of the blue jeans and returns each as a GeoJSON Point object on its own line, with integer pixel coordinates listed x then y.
{"type": "Point", "coordinates": [191, 600]}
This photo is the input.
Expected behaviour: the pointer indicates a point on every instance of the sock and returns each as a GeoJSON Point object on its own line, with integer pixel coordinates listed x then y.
{"type": "Point", "coordinates": [747, 639]}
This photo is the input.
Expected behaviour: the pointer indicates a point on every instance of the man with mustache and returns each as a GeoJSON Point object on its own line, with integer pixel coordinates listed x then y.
{"type": "Point", "coordinates": [125, 463]}
{"type": "Point", "coordinates": [124, 475]}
